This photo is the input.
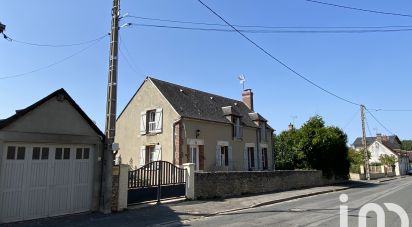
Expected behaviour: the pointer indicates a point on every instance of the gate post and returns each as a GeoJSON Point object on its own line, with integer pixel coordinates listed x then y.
{"type": "Point", "coordinates": [190, 180]}
{"type": "Point", "coordinates": [120, 187]}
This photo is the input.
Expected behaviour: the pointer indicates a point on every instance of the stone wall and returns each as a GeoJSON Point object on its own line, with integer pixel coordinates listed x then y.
{"type": "Point", "coordinates": [229, 184]}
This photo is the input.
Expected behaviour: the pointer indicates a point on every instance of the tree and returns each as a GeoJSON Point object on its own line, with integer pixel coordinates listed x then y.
{"type": "Point", "coordinates": [406, 145]}
{"type": "Point", "coordinates": [388, 160]}
{"type": "Point", "coordinates": [314, 146]}
{"type": "Point", "coordinates": [287, 155]}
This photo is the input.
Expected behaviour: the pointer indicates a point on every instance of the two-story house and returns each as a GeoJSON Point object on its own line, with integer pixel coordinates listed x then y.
{"type": "Point", "coordinates": [165, 121]}
{"type": "Point", "coordinates": [385, 145]}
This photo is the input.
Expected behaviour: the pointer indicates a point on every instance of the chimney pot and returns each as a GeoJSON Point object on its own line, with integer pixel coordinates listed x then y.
{"type": "Point", "coordinates": [247, 96]}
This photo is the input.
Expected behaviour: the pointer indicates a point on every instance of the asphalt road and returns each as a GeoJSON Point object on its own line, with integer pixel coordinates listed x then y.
{"type": "Point", "coordinates": [322, 210]}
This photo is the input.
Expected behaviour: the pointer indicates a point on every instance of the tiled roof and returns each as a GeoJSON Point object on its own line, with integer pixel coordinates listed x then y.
{"type": "Point", "coordinates": [191, 103]}
{"type": "Point", "coordinates": [22, 112]}
{"type": "Point", "coordinates": [391, 143]}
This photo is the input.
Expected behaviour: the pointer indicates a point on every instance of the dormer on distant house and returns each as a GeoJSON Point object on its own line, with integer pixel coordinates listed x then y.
{"type": "Point", "coordinates": [165, 121]}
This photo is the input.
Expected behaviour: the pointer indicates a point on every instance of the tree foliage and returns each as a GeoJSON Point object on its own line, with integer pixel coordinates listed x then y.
{"type": "Point", "coordinates": [313, 146]}
{"type": "Point", "coordinates": [406, 145]}
{"type": "Point", "coordinates": [388, 160]}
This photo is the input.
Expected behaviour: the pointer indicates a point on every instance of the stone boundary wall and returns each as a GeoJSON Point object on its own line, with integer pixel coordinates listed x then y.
{"type": "Point", "coordinates": [230, 184]}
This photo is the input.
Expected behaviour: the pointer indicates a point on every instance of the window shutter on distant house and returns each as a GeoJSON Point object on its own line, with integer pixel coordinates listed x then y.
{"type": "Point", "coordinates": [259, 157]}
{"type": "Point", "coordinates": [158, 153]}
{"type": "Point", "coordinates": [142, 155]}
{"type": "Point", "coordinates": [158, 120]}
{"type": "Point", "coordinates": [245, 159]}
{"type": "Point", "coordinates": [230, 158]}
{"type": "Point", "coordinates": [218, 155]}
{"type": "Point", "coordinates": [255, 154]}
{"type": "Point", "coordinates": [143, 123]}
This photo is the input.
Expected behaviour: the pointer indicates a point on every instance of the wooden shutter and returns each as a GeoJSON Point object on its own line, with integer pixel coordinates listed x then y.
{"type": "Point", "coordinates": [259, 158]}
{"type": "Point", "coordinates": [158, 153]}
{"type": "Point", "coordinates": [142, 155]}
{"type": "Point", "coordinates": [143, 123]}
{"type": "Point", "coordinates": [201, 157]}
{"type": "Point", "coordinates": [230, 156]}
{"type": "Point", "coordinates": [158, 120]}
{"type": "Point", "coordinates": [255, 153]}
{"type": "Point", "coordinates": [245, 159]}
{"type": "Point", "coordinates": [218, 160]}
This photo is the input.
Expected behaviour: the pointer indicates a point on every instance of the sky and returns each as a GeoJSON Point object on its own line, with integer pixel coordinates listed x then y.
{"type": "Point", "coordinates": [368, 68]}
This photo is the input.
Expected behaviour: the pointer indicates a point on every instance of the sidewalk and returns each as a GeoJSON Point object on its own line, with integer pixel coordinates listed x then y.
{"type": "Point", "coordinates": [181, 211]}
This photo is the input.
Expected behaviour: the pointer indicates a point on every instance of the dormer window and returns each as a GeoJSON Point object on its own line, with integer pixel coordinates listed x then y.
{"type": "Point", "coordinates": [237, 128]}
{"type": "Point", "coordinates": [263, 132]}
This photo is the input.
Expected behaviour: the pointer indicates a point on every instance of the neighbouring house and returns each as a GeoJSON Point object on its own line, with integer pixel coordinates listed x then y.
{"type": "Point", "coordinates": [165, 121]}
{"type": "Point", "coordinates": [50, 161]}
{"type": "Point", "coordinates": [389, 145]}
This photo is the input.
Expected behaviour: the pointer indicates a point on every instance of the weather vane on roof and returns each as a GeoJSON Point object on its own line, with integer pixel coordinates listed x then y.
{"type": "Point", "coordinates": [242, 80]}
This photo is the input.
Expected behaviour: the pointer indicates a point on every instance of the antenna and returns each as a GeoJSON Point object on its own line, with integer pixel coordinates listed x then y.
{"type": "Point", "coordinates": [294, 117]}
{"type": "Point", "coordinates": [242, 80]}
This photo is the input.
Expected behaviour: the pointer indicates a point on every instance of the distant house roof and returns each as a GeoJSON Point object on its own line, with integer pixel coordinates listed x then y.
{"type": "Point", "coordinates": [22, 112]}
{"type": "Point", "coordinates": [392, 142]}
{"type": "Point", "coordinates": [191, 103]}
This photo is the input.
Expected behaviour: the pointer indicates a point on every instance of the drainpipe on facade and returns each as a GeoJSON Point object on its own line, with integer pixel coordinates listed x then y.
{"type": "Point", "coordinates": [258, 148]}
{"type": "Point", "coordinates": [173, 138]}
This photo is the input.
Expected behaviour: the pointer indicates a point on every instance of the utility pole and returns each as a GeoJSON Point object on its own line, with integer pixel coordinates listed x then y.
{"type": "Point", "coordinates": [110, 126]}
{"type": "Point", "coordinates": [112, 82]}
{"type": "Point", "coordinates": [365, 151]}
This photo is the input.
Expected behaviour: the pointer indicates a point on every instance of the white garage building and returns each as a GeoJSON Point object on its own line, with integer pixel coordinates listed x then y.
{"type": "Point", "coordinates": [50, 161]}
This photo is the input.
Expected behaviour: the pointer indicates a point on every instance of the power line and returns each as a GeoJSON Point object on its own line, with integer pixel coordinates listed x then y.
{"type": "Point", "coordinates": [53, 64]}
{"type": "Point", "coordinates": [52, 45]}
{"type": "Point", "coordinates": [380, 122]}
{"type": "Point", "coordinates": [123, 44]}
{"type": "Point", "coordinates": [351, 120]}
{"type": "Point", "coordinates": [392, 110]}
{"type": "Point", "coordinates": [275, 31]}
{"type": "Point", "coordinates": [367, 126]}
{"type": "Point", "coordinates": [360, 9]}
{"type": "Point", "coordinates": [268, 27]}
{"type": "Point", "coordinates": [279, 61]}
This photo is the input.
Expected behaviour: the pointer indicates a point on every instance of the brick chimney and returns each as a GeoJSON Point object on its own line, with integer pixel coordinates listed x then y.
{"type": "Point", "coordinates": [247, 96]}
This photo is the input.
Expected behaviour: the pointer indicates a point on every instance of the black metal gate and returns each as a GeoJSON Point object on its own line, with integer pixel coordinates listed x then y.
{"type": "Point", "coordinates": [155, 181]}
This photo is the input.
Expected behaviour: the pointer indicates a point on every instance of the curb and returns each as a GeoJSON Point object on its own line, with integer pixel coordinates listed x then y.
{"type": "Point", "coordinates": [287, 199]}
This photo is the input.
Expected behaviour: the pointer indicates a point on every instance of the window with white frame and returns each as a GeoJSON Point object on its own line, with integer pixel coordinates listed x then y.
{"type": "Point", "coordinates": [151, 117]}
{"type": "Point", "coordinates": [237, 128]}
{"type": "Point", "coordinates": [151, 121]}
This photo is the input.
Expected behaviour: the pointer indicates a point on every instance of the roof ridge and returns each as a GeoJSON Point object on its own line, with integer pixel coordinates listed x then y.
{"type": "Point", "coordinates": [208, 93]}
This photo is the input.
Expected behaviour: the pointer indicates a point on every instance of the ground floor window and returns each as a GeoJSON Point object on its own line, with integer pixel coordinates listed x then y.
{"type": "Point", "coordinates": [224, 156]}
{"type": "Point", "coordinates": [264, 158]}
{"type": "Point", "coordinates": [251, 157]}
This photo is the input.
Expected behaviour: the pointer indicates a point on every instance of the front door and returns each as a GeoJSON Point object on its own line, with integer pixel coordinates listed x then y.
{"type": "Point", "coordinates": [194, 156]}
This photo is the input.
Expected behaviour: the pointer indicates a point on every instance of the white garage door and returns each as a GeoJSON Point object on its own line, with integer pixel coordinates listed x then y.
{"type": "Point", "coordinates": [44, 180]}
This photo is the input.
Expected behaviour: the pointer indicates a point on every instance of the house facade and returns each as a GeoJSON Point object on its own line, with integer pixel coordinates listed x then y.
{"type": "Point", "coordinates": [165, 121]}
{"type": "Point", "coordinates": [50, 161]}
{"type": "Point", "coordinates": [386, 145]}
